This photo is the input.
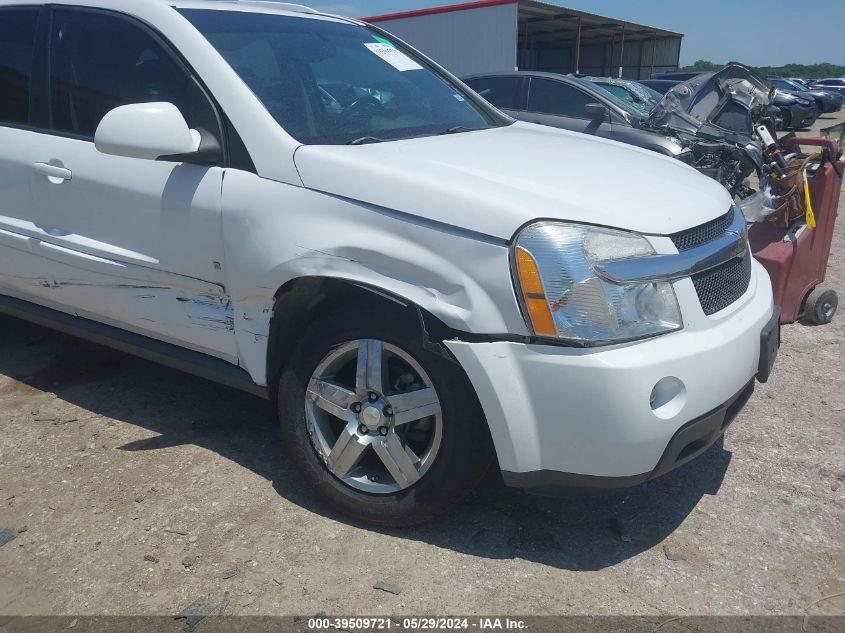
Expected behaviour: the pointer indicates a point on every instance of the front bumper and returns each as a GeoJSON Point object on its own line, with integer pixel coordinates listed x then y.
{"type": "Point", "coordinates": [803, 116]}
{"type": "Point", "coordinates": [690, 441]}
{"type": "Point", "coordinates": [834, 104]}
{"type": "Point", "coordinates": [586, 417]}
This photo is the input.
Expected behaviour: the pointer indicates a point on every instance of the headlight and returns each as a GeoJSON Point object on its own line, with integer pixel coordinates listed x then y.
{"type": "Point", "coordinates": [564, 298]}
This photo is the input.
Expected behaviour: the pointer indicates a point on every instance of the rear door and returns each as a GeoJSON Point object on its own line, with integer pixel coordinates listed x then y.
{"type": "Point", "coordinates": [18, 28]}
{"type": "Point", "coordinates": [559, 104]}
{"type": "Point", "coordinates": [134, 243]}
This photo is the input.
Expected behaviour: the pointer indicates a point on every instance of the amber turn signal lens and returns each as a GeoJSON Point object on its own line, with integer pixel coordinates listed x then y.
{"type": "Point", "coordinates": [533, 294]}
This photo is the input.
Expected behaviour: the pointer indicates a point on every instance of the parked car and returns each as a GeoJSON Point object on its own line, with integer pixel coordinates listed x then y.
{"type": "Point", "coordinates": [570, 103]}
{"type": "Point", "coordinates": [633, 92]}
{"type": "Point", "coordinates": [797, 112]}
{"type": "Point", "coordinates": [826, 102]}
{"type": "Point", "coordinates": [420, 283]}
{"type": "Point", "coordinates": [829, 85]}
{"type": "Point", "coordinates": [660, 85]}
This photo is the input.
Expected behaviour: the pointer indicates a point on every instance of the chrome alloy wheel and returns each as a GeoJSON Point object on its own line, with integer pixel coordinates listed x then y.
{"type": "Point", "coordinates": [373, 416]}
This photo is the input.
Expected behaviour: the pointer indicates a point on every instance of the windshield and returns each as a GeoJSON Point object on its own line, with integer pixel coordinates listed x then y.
{"type": "Point", "coordinates": [620, 92]}
{"type": "Point", "coordinates": [785, 84]}
{"type": "Point", "coordinates": [636, 110]}
{"type": "Point", "coordinates": [655, 96]}
{"type": "Point", "coordinates": [329, 82]}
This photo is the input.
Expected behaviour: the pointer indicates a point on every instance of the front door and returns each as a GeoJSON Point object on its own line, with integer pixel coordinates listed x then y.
{"type": "Point", "coordinates": [135, 243]}
{"type": "Point", "coordinates": [17, 52]}
{"type": "Point", "coordinates": [561, 105]}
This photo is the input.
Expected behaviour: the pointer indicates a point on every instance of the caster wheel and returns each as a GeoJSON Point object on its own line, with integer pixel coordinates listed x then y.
{"type": "Point", "coordinates": [821, 306]}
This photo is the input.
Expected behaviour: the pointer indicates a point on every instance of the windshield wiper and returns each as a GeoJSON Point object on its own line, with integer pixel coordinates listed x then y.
{"type": "Point", "coordinates": [457, 129]}
{"type": "Point", "coordinates": [365, 140]}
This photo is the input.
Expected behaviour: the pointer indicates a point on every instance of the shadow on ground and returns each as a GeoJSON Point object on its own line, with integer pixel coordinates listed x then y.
{"type": "Point", "coordinates": [590, 533]}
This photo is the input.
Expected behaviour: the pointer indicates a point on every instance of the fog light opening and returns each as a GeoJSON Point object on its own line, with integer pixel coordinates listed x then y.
{"type": "Point", "coordinates": [668, 398]}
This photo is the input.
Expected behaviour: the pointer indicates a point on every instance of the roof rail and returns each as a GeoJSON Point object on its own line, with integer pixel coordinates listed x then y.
{"type": "Point", "coordinates": [284, 6]}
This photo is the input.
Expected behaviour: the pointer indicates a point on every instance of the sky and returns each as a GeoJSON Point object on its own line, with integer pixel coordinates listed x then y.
{"type": "Point", "coordinates": [756, 32]}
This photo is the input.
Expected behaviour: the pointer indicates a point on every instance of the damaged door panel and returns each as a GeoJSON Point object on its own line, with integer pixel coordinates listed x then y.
{"type": "Point", "coordinates": [131, 241]}
{"type": "Point", "coordinates": [174, 308]}
{"type": "Point", "coordinates": [130, 260]}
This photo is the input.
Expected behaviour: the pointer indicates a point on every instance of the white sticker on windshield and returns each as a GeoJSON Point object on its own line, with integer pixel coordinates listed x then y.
{"type": "Point", "coordinates": [393, 56]}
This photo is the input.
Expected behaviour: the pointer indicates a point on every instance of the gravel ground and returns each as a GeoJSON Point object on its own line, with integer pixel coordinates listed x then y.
{"type": "Point", "coordinates": [129, 488]}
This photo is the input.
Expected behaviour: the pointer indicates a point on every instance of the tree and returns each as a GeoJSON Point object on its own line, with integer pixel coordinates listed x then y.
{"type": "Point", "coordinates": [806, 71]}
{"type": "Point", "coordinates": [703, 65]}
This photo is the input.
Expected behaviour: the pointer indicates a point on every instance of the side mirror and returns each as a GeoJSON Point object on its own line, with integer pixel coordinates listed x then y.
{"type": "Point", "coordinates": [149, 131]}
{"type": "Point", "coordinates": [596, 112]}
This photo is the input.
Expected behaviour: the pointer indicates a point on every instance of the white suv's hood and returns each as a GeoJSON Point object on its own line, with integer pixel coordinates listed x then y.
{"type": "Point", "coordinates": [495, 181]}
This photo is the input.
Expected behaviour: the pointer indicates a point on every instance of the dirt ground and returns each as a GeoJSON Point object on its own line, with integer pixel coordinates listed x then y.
{"type": "Point", "coordinates": [134, 489]}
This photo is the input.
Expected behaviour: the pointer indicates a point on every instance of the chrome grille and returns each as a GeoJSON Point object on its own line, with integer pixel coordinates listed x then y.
{"type": "Point", "coordinates": [719, 287]}
{"type": "Point", "coordinates": [698, 235]}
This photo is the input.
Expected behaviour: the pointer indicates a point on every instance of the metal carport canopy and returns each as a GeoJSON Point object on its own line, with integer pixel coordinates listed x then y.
{"type": "Point", "coordinates": [499, 35]}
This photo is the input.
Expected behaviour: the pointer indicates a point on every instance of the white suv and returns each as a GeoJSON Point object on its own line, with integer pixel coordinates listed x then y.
{"type": "Point", "coordinates": [302, 206]}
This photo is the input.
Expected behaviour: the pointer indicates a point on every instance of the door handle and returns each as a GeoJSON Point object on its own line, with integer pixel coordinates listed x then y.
{"type": "Point", "coordinates": [51, 171]}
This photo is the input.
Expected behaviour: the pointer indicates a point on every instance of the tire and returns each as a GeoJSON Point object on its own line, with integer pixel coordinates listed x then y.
{"type": "Point", "coordinates": [385, 497]}
{"type": "Point", "coordinates": [812, 117]}
{"type": "Point", "coordinates": [820, 307]}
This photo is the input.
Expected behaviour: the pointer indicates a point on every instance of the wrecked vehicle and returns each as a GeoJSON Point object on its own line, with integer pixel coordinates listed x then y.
{"type": "Point", "coordinates": [303, 207]}
{"type": "Point", "coordinates": [715, 116]}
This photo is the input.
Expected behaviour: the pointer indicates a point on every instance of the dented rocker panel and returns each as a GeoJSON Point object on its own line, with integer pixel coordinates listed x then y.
{"type": "Point", "coordinates": [169, 354]}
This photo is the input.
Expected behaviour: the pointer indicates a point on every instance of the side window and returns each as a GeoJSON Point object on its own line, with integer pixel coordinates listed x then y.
{"type": "Point", "coordinates": [502, 92]}
{"type": "Point", "coordinates": [17, 45]}
{"type": "Point", "coordinates": [100, 62]}
{"type": "Point", "coordinates": [554, 97]}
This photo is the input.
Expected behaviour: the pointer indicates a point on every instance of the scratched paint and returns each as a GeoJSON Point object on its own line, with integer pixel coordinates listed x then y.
{"type": "Point", "coordinates": [211, 312]}
{"type": "Point", "coordinates": [189, 312]}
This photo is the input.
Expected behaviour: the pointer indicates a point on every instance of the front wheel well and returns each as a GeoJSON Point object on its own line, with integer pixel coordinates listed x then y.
{"type": "Point", "coordinates": [304, 300]}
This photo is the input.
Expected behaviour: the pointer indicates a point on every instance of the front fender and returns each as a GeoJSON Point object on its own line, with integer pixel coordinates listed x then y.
{"type": "Point", "coordinates": [275, 233]}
